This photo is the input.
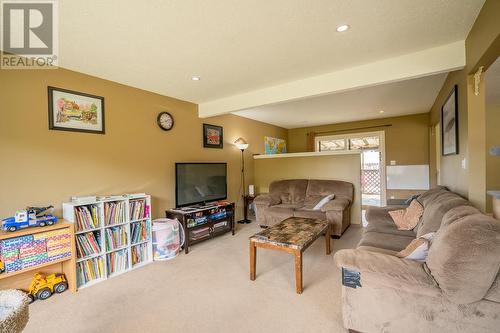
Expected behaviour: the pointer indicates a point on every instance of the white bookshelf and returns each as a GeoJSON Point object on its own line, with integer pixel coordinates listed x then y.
{"type": "Point", "coordinates": [106, 248]}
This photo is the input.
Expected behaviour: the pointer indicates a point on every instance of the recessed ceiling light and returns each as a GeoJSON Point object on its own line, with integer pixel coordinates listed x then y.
{"type": "Point", "coordinates": [196, 78]}
{"type": "Point", "coordinates": [381, 111]}
{"type": "Point", "coordinates": [342, 28]}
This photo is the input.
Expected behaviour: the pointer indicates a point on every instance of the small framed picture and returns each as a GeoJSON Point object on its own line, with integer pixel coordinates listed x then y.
{"type": "Point", "coordinates": [213, 136]}
{"type": "Point", "coordinates": [449, 124]}
{"type": "Point", "coordinates": [75, 111]}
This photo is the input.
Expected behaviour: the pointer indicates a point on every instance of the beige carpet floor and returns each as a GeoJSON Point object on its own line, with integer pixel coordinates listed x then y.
{"type": "Point", "coordinates": [208, 290]}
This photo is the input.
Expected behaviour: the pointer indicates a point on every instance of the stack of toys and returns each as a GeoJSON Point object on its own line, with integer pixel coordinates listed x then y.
{"type": "Point", "coordinates": [22, 252]}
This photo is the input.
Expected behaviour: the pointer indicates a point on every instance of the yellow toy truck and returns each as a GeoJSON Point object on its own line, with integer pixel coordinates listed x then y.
{"type": "Point", "coordinates": [42, 287]}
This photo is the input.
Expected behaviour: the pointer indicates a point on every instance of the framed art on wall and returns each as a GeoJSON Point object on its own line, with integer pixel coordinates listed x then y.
{"type": "Point", "coordinates": [75, 111]}
{"type": "Point", "coordinates": [274, 145]}
{"type": "Point", "coordinates": [213, 136]}
{"type": "Point", "coordinates": [449, 124]}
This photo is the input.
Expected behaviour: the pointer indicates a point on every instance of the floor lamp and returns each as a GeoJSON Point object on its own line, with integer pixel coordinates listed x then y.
{"type": "Point", "coordinates": [241, 144]}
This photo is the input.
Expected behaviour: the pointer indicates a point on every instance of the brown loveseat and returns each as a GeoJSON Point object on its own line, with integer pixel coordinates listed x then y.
{"type": "Point", "coordinates": [297, 197]}
{"type": "Point", "coordinates": [457, 289]}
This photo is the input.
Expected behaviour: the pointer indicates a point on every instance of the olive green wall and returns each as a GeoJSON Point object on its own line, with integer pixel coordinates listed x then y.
{"type": "Point", "coordinates": [406, 140]}
{"type": "Point", "coordinates": [40, 166]}
{"type": "Point", "coordinates": [492, 139]}
{"type": "Point", "coordinates": [482, 47]}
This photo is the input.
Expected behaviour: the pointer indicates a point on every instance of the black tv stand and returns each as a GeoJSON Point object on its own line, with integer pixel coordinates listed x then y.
{"type": "Point", "coordinates": [204, 222]}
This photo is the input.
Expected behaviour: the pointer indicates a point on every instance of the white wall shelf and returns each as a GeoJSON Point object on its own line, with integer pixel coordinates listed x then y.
{"type": "Point", "coordinates": [99, 231]}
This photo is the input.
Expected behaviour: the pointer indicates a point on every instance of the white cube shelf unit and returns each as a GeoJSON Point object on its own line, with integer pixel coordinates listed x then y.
{"type": "Point", "coordinates": [113, 235]}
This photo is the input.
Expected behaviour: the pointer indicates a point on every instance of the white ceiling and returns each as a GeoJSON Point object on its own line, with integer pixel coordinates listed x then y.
{"type": "Point", "coordinates": [238, 46]}
{"type": "Point", "coordinates": [492, 83]}
{"type": "Point", "coordinates": [395, 99]}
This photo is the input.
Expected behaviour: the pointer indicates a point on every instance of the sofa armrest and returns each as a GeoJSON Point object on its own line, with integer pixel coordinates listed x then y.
{"type": "Point", "coordinates": [336, 204]}
{"type": "Point", "coordinates": [265, 200]}
{"type": "Point", "coordinates": [386, 270]}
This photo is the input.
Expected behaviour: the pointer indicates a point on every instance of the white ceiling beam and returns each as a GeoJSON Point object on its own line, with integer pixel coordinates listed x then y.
{"type": "Point", "coordinates": [431, 61]}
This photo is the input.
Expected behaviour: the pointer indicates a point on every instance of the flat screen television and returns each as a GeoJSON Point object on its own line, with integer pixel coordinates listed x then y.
{"type": "Point", "coordinates": [197, 183]}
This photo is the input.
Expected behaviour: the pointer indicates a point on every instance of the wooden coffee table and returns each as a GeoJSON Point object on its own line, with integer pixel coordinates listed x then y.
{"type": "Point", "coordinates": [292, 235]}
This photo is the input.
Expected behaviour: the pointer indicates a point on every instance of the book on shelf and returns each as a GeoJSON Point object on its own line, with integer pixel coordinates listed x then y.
{"type": "Point", "coordinates": [88, 244]}
{"type": "Point", "coordinates": [139, 231]}
{"type": "Point", "coordinates": [138, 209]}
{"type": "Point", "coordinates": [87, 217]}
{"type": "Point", "coordinates": [116, 237]}
{"type": "Point", "coordinates": [139, 253]}
{"type": "Point", "coordinates": [114, 212]}
{"type": "Point", "coordinates": [89, 270]}
{"type": "Point", "coordinates": [117, 261]}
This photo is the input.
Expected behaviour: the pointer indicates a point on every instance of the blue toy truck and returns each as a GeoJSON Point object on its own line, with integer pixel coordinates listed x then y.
{"type": "Point", "coordinates": [30, 217]}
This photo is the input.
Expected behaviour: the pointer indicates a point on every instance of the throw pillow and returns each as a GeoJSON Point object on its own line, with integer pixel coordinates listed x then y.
{"type": "Point", "coordinates": [323, 201]}
{"type": "Point", "coordinates": [418, 248]}
{"type": "Point", "coordinates": [407, 219]}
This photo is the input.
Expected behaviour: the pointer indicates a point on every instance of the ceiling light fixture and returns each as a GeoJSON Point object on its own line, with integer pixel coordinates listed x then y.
{"type": "Point", "coordinates": [343, 28]}
{"type": "Point", "coordinates": [381, 111]}
{"type": "Point", "coordinates": [196, 78]}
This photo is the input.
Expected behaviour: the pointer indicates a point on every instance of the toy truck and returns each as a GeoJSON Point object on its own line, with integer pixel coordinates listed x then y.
{"type": "Point", "coordinates": [42, 287]}
{"type": "Point", "coordinates": [30, 217]}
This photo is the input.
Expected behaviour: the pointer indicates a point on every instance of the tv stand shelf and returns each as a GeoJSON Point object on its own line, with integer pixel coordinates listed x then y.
{"type": "Point", "coordinates": [202, 223]}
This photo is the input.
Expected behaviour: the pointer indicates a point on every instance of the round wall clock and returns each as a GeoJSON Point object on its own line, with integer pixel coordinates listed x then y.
{"type": "Point", "coordinates": [165, 121]}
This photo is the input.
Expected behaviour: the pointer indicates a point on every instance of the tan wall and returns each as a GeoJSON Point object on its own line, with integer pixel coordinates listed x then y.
{"type": "Point", "coordinates": [492, 162]}
{"type": "Point", "coordinates": [406, 140]}
{"type": "Point", "coordinates": [340, 167]}
{"type": "Point", "coordinates": [41, 167]}
{"type": "Point", "coordinates": [452, 174]}
{"type": "Point", "coordinates": [482, 48]}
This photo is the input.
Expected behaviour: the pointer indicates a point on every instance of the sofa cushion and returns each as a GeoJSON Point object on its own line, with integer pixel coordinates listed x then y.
{"type": "Point", "coordinates": [311, 214]}
{"type": "Point", "coordinates": [290, 191]}
{"type": "Point", "coordinates": [494, 292]}
{"type": "Point", "coordinates": [435, 209]}
{"type": "Point", "coordinates": [280, 212]}
{"type": "Point", "coordinates": [429, 195]}
{"type": "Point", "coordinates": [385, 241]}
{"type": "Point", "coordinates": [323, 187]}
{"type": "Point", "coordinates": [464, 256]}
{"type": "Point", "coordinates": [379, 220]}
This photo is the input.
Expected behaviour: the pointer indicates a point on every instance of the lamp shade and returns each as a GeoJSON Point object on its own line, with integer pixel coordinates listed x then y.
{"type": "Point", "coordinates": [241, 143]}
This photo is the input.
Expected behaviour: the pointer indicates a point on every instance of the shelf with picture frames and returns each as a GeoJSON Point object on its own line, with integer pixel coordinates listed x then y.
{"type": "Point", "coordinates": [112, 235]}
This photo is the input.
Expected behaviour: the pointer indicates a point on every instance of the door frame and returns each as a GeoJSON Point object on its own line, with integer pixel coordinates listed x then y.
{"type": "Point", "coordinates": [381, 135]}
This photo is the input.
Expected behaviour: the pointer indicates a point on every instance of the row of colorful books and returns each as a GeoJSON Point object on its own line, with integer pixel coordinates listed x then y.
{"type": "Point", "coordinates": [117, 261]}
{"type": "Point", "coordinates": [88, 244]}
{"type": "Point", "coordinates": [139, 231]}
{"type": "Point", "coordinates": [116, 237]}
{"type": "Point", "coordinates": [138, 210]}
{"type": "Point", "coordinates": [89, 270]}
{"type": "Point", "coordinates": [139, 253]}
{"type": "Point", "coordinates": [114, 212]}
{"type": "Point", "coordinates": [87, 217]}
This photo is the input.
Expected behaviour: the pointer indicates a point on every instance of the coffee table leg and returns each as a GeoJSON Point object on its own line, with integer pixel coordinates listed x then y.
{"type": "Point", "coordinates": [327, 240]}
{"type": "Point", "coordinates": [298, 272]}
{"type": "Point", "coordinates": [253, 253]}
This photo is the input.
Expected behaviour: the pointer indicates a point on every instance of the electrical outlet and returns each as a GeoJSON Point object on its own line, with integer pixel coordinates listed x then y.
{"type": "Point", "coordinates": [464, 164]}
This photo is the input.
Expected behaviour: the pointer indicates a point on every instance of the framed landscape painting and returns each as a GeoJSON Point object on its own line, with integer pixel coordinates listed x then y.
{"type": "Point", "coordinates": [213, 136]}
{"type": "Point", "coordinates": [75, 111]}
{"type": "Point", "coordinates": [449, 124]}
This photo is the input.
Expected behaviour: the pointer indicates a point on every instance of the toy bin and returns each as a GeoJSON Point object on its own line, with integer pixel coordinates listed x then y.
{"type": "Point", "coordinates": [168, 238]}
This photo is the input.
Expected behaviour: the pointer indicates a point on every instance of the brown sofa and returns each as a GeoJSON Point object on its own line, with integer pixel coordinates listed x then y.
{"type": "Point", "coordinates": [297, 197]}
{"type": "Point", "coordinates": [457, 289]}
